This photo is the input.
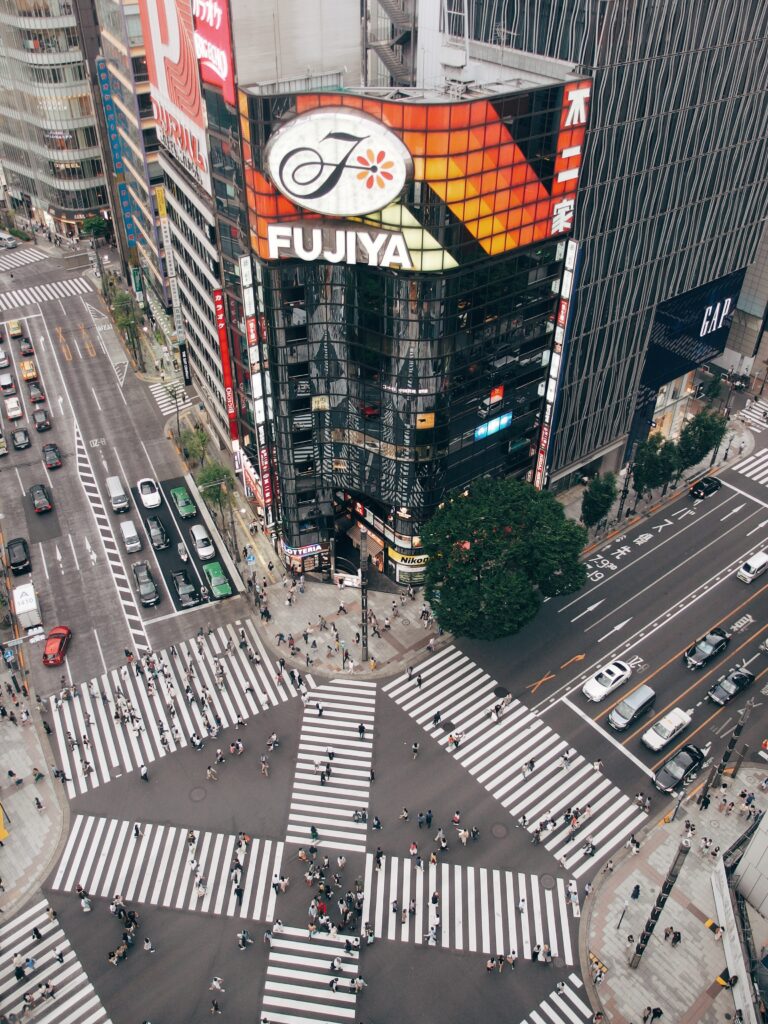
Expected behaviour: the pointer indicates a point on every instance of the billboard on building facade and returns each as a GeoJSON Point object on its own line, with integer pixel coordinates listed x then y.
{"type": "Point", "coordinates": [226, 365]}
{"type": "Point", "coordinates": [177, 101]}
{"type": "Point", "coordinates": [213, 45]}
{"type": "Point", "coordinates": [334, 180]}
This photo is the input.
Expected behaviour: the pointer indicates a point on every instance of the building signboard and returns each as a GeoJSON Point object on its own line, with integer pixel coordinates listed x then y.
{"type": "Point", "coordinates": [170, 264]}
{"type": "Point", "coordinates": [213, 46]}
{"type": "Point", "coordinates": [226, 366]}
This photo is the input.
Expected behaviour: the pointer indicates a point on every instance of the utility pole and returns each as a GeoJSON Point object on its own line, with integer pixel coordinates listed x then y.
{"type": "Point", "coordinates": [364, 592]}
{"type": "Point", "coordinates": [682, 852]}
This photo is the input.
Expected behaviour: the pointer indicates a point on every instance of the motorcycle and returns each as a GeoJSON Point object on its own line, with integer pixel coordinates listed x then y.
{"type": "Point", "coordinates": [183, 553]}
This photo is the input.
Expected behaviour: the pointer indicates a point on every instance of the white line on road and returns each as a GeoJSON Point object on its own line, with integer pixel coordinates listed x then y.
{"type": "Point", "coordinates": [588, 610]}
{"type": "Point", "coordinates": [18, 476]}
{"type": "Point", "coordinates": [96, 397]}
{"type": "Point", "coordinates": [616, 628]}
{"type": "Point", "coordinates": [101, 652]}
{"type": "Point", "coordinates": [77, 347]}
{"type": "Point", "coordinates": [745, 494]}
{"type": "Point", "coordinates": [45, 564]}
{"type": "Point", "coordinates": [74, 553]}
{"type": "Point", "coordinates": [758, 527]}
{"type": "Point", "coordinates": [606, 735]}
{"type": "Point", "coordinates": [731, 513]}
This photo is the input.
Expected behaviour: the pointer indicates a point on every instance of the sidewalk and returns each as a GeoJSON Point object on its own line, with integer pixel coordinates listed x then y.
{"type": "Point", "coordinates": [682, 981]}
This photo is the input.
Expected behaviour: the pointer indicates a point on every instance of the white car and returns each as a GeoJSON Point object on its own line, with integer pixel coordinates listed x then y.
{"type": "Point", "coordinates": [149, 493]}
{"type": "Point", "coordinates": [13, 409]}
{"type": "Point", "coordinates": [665, 730]}
{"type": "Point", "coordinates": [606, 680]}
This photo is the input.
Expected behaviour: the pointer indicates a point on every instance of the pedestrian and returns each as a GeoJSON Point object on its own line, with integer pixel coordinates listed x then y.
{"type": "Point", "coordinates": [676, 938]}
{"type": "Point", "coordinates": [361, 731]}
{"type": "Point", "coordinates": [37, 934]}
{"type": "Point", "coordinates": [656, 1012]}
{"type": "Point", "coordinates": [415, 752]}
{"type": "Point", "coordinates": [216, 985]}
{"type": "Point", "coordinates": [521, 905]}
{"type": "Point", "coordinates": [215, 1007]}
{"type": "Point", "coordinates": [143, 773]}
{"type": "Point", "coordinates": [489, 965]}
{"type": "Point", "coordinates": [148, 947]}
{"type": "Point", "coordinates": [635, 894]}
{"type": "Point", "coordinates": [403, 814]}
{"type": "Point", "coordinates": [668, 933]}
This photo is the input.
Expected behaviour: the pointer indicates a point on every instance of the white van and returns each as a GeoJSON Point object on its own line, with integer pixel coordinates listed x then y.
{"type": "Point", "coordinates": [131, 538]}
{"type": "Point", "coordinates": [203, 543]}
{"type": "Point", "coordinates": [27, 610]}
{"type": "Point", "coordinates": [754, 566]}
{"type": "Point", "coordinates": [118, 497]}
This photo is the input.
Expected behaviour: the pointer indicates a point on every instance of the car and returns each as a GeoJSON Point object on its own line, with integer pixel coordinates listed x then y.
{"type": "Point", "coordinates": [26, 348]}
{"type": "Point", "coordinates": [14, 329]}
{"type": "Point", "coordinates": [146, 587]}
{"type": "Point", "coordinates": [56, 644]}
{"type": "Point", "coordinates": [51, 456]}
{"type": "Point", "coordinates": [158, 535]}
{"type": "Point", "coordinates": [733, 683]}
{"type": "Point", "coordinates": [607, 679]}
{"type": "Point", "coordinates": [36, 393]}
{"type": "Point", "coordinates": [704, 487]}
{"type": "Point", "coordinates": [202, 542]}
{"type": "Point", "coordinates": [28, 370]}
{"type": "Point", "coordinates": [41, 419]}
{"type": "Point", "coordinates": [668, 726]}
{"type": "Point", "coordinates": [13, 409]}
{"type": "Point", "coordinates": [149, 493]}
{"type": "Point", "coordinates": [680, 768]}
{"type": "Point", "coordinates": [185, 591]}
{"type": "Point", "coordinates": [5, 362]}
{"type": "Point", "coordinates": [707, 648]}
{"type": "Point", "coordinates": [41, 501]}
{"type": "Point", "coordinates": [184, 504]}
{"type": "Point", "coordinates": [20, 438]}
{"type": "Point", "coordinates": [3, 444]}
{"type": "Point", "coordinates": [17, 550]}
{"type": "Point", "coordinates": [217, 581]}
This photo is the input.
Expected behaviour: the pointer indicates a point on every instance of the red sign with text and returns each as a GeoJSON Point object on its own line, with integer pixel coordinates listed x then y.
{"type": "Point", "coordinates": [226, 366]}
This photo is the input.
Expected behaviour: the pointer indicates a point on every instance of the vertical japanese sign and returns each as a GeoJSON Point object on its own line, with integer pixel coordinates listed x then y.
{"type": "Point", "coordinates": [116, 150]}
{"type": "Point", "coordinates": [226, 365]}
{"type": "Point", "coordinates": [170, 265]}
{"type": "Point", "coordinates": [213, 46]}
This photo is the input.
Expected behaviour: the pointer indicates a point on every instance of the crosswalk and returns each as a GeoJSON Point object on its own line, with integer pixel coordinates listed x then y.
{"type": "Point", "coordinates": [11, 259]}
{"type": "Point", "coordinates": [331, 725]}
{"type": "Point", "coordinates": [158, 866]}
{"type": "Point", "coordinates": [93, 744]}
{"type": "Point", "coordinates": [297, 985]}
{"type": "Point", "coordinates": [165, 402]}
{"type": "Point", "coordinates": [565, 1007]}
{"type": "Point", "coordinates": [479, 908]}
{"type": "Point", "coordinates": [74, 999]}
{"type": "Point", "coordinates": [460, 693]}
{"type": "Point", "coordinates": [50, 292]}
{"type": "Point", "coordinates": [755, 415]}
{"type": "Point", "coordinates": [755, 467]}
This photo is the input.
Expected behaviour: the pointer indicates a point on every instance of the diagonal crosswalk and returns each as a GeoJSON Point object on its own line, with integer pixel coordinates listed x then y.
{"type": "Point", "coordinates": [120, 720]}
{"type": "Point", "coordinates": [755, 415]}
{"type": "Point", "coordinates": [165, 402]}
{"type": "Point", "coordinates": [755, 467]}
{"type": "Point", "coordinates": [50, 292]}
{"type": "Point", "coordinates": [479, 908]}
{"type": "Point", "coordinates": [160, 866]}
{"type": "Point", "coordinates": [74, 999]}
{"type": "Point", "coordinates": [11, 259]}
{"type": "Point", "coordinates": [566, 1007]}
{"type": "Point", "coordinates": [463, 696]}
{"type": "Point", "coordinates": [332, 717]}
{"type": "Point", "coordinates": [297, 986]}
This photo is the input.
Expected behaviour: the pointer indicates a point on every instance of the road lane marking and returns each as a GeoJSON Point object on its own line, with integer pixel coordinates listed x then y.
{"type": "Point", "coordinates": [745, 494]}
{"type": "Point", "coordinates": [627, 753]}
{"type": "Point", "coordinates": [588, 610]}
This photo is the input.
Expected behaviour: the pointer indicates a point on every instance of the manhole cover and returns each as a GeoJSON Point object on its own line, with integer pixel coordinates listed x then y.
{"type": "Point", "coordinates": [500, 691]}
{"type": "Point", "coordinates": [197, 794]}
{"type": "Point", "coordinates": [547, 881]}
{"type": "Point", "coordinates": [447, 724]}
{"type": "Point", "coordinates": [558, 961]}
{"type": "Point", "coordinates": [499, 831]}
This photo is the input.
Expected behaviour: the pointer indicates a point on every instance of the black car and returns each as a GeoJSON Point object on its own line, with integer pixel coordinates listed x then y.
{"type": "Point", "coordinates": [145, 584]}
{"type": "Point", "coordinates": [704, 487]}
{"type": "Point", "coordinates": [41, 419]}
{"type": "Point", "coordinates": [185, 591]}
{"type": "Point", "coordinates": [731, 686]}
{"type": "Point", "coordinates": [51, 456]}
{"type": "Point", "coordinates": [20, 438]}
{"type": "Point", "coordinates": [40, 500]}
{"type": "Point", "coordinates": [680, 768]}
{"type": "Point", "coordinates": [36, 393]}
{"type": "Point", "coordinates": [26, 348]}
{"type": "Point", "coordinates": [704, 650]}
{"type": "Point", "coordinates": [17, 550]}
{"type": "Point", "coordinates": [158, 535]}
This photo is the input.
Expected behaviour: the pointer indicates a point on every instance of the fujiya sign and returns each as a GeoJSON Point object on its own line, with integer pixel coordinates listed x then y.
{"type": "Point", "coordinates": [311, 241]}
{"type": "Point", "coordinates": [338, 161]}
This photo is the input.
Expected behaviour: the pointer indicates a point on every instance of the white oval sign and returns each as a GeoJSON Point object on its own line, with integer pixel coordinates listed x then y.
{"type": "Point", "coordinates": [338, 161]}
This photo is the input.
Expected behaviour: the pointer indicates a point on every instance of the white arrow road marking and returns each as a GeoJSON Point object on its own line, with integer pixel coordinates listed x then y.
{"type": "Point", "coordinates": [588, 610]}
{"type": "Point", "coordinates": [616, 628]}
{"type": "Point", "coordinates": [757, 528]}
{"type": "Point", "coordinates": [732, 512]}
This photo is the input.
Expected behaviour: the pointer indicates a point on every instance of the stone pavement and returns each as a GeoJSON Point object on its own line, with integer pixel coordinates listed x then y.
{"type": "Point", "coordinates": [682, 981]}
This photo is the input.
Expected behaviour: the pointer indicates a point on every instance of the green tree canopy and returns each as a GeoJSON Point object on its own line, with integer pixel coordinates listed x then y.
{"type": "Point", "coordinates": [599, 495]}
{"type": "Point", "coordinates": [655, 465]}
{"type": "Point", "coordinates": [216, 483]}
{"type": "Point", "coordinates": [96, 226]}
{"type": "Point", "coordinates": [194, 442]}
{"type": "Point", "coordinates": [699, 437]}
{"type": "Point", "coordinates": [494, 554]}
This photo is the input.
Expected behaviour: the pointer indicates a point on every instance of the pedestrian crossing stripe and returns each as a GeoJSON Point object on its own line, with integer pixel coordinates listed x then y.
{"type": "Point", "coordinates": [345, 705]}
{"type": "Point", "coordinates": [494, 753]}
{"type": "Point", "coordinates": [562, 1007]}
{"type": "Point", "coordinates": [106, 857]}
{"type": "Point", "coordinates": [478, 908]}
{"type": "Point", "coordinates": [112, 749]}
{"type": "Point", "coordinates": [50, 292]}
{"type": "Point", "coordinates": [21, 258]}
{"type": "Point", "coordinates": [297, 981]}
{"type": "Point", "coordinates": [75, 1002]}
{"type": "Point", "coordinates": [164, 401]}
{"type": "Point", "coordinates": [755, 415]}
{"type": "Point", "coordinates": [755, 467]}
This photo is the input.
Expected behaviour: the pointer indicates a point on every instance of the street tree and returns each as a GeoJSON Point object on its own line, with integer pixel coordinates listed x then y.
{"type": "Point", "coordinates": [194, 443]}
{"type": "Point", "coordinates": [216, 483]}
{"type": "Point", "coordinates": [495, 552]}
{"type": "Point", "coordinates": [646, 468]}
{"type": "Point", "coordinates": [599, 495]}
{"type": "Point", "coordinates": [701, 435]}
{"type": "Point", "coordinates": [96, 227]}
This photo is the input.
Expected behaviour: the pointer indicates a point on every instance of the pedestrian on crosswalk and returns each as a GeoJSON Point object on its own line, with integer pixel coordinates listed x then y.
{"type": "Point", "coordinates": [490, 964]}
{"type": "Point", "coordinates": [361, 731]}
{"type": "Point", "coordinates": [521, 905]}
{"type": "Point", "coordinates": [143, 773]}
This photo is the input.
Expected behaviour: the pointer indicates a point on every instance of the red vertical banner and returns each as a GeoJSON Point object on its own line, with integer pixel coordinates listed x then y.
{"type": "Point", "coordinates": [226, 365]}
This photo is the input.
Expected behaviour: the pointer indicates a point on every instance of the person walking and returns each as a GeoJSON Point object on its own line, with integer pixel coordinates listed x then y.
{"type": "Point", "coordinates": [148, 947]}
{"type": "Point", "coordinates": [635, 894]}
{"type": "Point", "coordinates": [676, 938]}
{"type": "Point", "coordinates": [216, 985]}
{"type": "Point", "coordinates": [143, 773]}
{"type": "Point", "coordinates": [361, 731]}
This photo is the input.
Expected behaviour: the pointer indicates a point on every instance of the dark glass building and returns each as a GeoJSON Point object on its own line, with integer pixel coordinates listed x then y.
{"type": "Point", "coordinates": [409, 344]}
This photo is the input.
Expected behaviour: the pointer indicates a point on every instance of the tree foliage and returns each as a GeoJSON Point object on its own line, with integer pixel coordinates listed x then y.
{"type": "Point", "coordinates": [655, 464]}
{"type": "Point", "coordinates": [194, 442]}
{"type": "Point", "coordinates": [599, 495]}
{"type": "Point", "coordinates": [216, 483]}
{"type": "Point", "coordinates": [96, 227]}
{"type": "Point", "coordinates": [699, 437]}
{"type": "Point", "coordinates": [493, 555]}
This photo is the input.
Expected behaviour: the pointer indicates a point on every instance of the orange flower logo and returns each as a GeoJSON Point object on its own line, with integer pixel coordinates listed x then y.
{"type": "Point", "coordinates": [376, 169]}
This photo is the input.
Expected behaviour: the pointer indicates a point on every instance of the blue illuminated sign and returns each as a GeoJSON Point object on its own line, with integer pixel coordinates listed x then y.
{"type": "Point", "coordinates": [493, 426]}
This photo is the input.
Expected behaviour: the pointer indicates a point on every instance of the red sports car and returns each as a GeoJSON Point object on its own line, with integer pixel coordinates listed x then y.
{"type": "Point", "coordinates": [56, 644]}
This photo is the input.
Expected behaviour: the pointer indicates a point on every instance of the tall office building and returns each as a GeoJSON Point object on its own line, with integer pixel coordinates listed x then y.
{"type": "Point", "coordinates": [671, 200]}
{"type": "Point", "coordinates": [49, 140]}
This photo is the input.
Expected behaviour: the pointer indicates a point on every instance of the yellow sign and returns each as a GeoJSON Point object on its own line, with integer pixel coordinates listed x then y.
{"type": "Point", "coordinates": [425, 420]}
{"type": "Point", "coordinates": [407, 559]}
{"type": "Point", "coordinates": [160, 199]}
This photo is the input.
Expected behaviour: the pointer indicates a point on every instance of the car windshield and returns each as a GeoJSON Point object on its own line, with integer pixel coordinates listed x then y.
{"type": "Point", "coordinates": [147, 586]}
{"type": "Point", "coordinates": [678, 767]}
{"type": "Point", "coordinates": [185, 588]}
{"type": "Point", "coordinates": [147, 487]}
{"type": "Point", "coordinates": [730, 685]}
{"type": "Point", "coordinates": [705, 647]}
{"type": "Point", "coordinates": [663, 730]}
{"type": "Point", "coordinates": [217, 578]}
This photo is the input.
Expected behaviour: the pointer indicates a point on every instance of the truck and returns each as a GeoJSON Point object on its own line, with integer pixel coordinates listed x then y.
{"type": "Point", "coordinates": [26, 608]}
